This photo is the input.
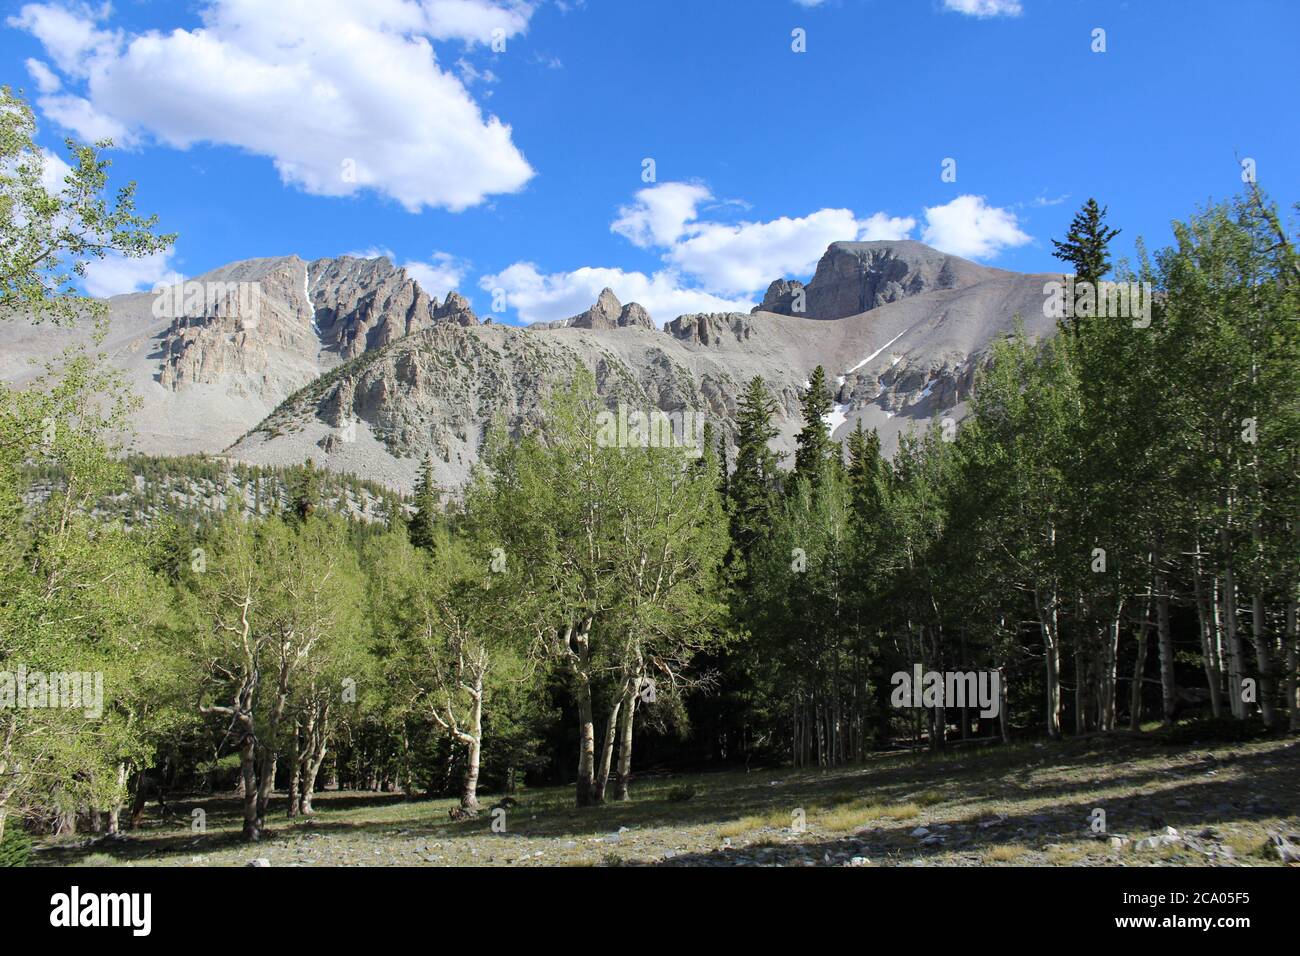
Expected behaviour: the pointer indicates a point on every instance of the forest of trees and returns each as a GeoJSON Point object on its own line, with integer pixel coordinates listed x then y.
{"type": "Point", "coordinates": [1119, 509]}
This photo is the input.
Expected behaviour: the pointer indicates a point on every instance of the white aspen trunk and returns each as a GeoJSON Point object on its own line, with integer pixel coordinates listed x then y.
{"type": "Point", "coordinates": [1165, 641]}
{"type": "Point", "coordinates": [115, 812]}
{"type": "Point", "coordinates": [473, 746]}
{"type": "Point", "coordinates": [1263, 659]}
{"type": "Point", "coordinates": [939, 717]}
{"type": "Point", "coordinates": [586, 727]}
{"type": "Point", "coordinates": [1004, 720]}
{"type": "Point", "coordinates": [1081, 681]}
{"type": "Point", "coordinates": [607, 750]}
{"type": "Point", "coordinates": [1110, 673]}
{"type": "Point", "coordinates": [1047, 621]}
{"type": "Point", "coordinates": [314, 757]}
{"type": "Point", "coordinates": [1293, 662]}
{"type": "Point", "coordinates": [622, 790]}
{"type": "Point", "coordinates": [295, 769]}
{"type": "Point", "coordinates": [1208, 621]}
{"type": "Point", "coordinates": [1235, 674]}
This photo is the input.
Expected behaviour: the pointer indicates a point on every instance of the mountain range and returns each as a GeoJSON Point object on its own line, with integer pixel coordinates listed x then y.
{"type": "Point", "coordinates": [351, 363]}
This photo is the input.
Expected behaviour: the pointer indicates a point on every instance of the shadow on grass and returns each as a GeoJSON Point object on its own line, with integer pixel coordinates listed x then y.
{"type": "Point", "coordinates": [1064, 781]}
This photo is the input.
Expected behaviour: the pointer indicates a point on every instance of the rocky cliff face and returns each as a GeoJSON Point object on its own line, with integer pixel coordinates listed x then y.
{"type": "Point", "coordinates": [349, 362]}
{"type": "Point", "coordinates": [247, 328]}
{"type": "Point", "coordinates": [362, 304]}
{"type": "Point", "coordinates": [607, 313]}
{"type": "Point", "coordinates": [707, 329]}
{"type": "Point", "coordinates": [435, 393]}
{"type": "Point", "coordinates": [211, 356]}
{"type": "Point", "coordinates": [854, 277]}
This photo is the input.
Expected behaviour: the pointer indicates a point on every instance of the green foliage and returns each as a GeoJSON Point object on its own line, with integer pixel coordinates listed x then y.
{"type": "Point", "coordinates": [311, 625]}
{"type": "Point", "coordinates": [815, 452]}
{"type": "Point", "coordinates": [422, 526]}
{"type": "Point", "coordinates": [49, 232]}
{"type": "Point", "coordinates": [1087, 243]}
{"type": "Point", "coordinates": [753, 486]}
{"type": "Point", "coordinates": [15, 846]}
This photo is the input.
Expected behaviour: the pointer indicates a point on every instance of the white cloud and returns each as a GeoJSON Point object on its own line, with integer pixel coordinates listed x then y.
{"type": "Point", "coordinates": [342, 96]}
{"type": "Point", "coordinates": [660, 213]}
{"type": "Point", "coordinates": [734, 258]}
{"type": "Point", "coordinates": [116, 274]}
{"type": "Point", "coordinates": [474, 21]}
{"type": "Point", "coordinates": [53, 172]}
{"type": "Point", "coordinates": [442, 273]}
{"type": "Point", "coordinates": [539, 297]}
{"type": "Point", "coordinates": [372, 252]}
{"type": "Point", "coordinates": [70, 34]}
{"type": "Point", "coordinates": [470, 74]}
{"type": "Point", "coordinates": [969, 227]}
{"type": "Point", "coordinates": [984, 8]}
{"type": "Point", "coordinates": [46, 81]}
{"type": "Point", "coordinates": [79, 115]}
{"type": "Point", "coordinates": [748, 255]}
{"type": "Point", "coordinates": [881, 226]}
{"type": "Point", "coordinates": [710, 266]}
{"type": "Point", "coordinates": [1041, 201]}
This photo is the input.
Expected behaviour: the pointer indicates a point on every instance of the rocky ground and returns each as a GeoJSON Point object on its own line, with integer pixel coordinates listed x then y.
{"type": "Point", "coordinates": [1030, 804]}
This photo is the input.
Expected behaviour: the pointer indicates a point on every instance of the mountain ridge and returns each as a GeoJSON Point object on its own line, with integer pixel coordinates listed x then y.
{"type": "Point", "coordinates": [350, 362]}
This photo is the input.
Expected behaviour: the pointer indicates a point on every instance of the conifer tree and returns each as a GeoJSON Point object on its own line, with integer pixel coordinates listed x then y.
{"type": "Point", "coordinates": [1086, 245]}
{"type": "Point", "coordinates": [423, 523]}
{"type": "Point", "coordinates": [306, 493]}
{"type": "Point", "coordinates": [814, 447]}
{"type": "Point", "coordinates": [753, 483]}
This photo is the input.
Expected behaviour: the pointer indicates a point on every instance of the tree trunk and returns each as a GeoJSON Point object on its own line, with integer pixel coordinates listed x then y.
{"type": "Point", "coordinates": [586, 726]}
{"type": "Point", "coordinates": [1207, 614]}
{"type": "Point", "coordinates": [314, 757]}
{"type": "Point", "coordinates": [1047, 621]}
{"type": "Point", "coordinates": [295, 771]}
{"type": "Point", "coordinates": [1263, 658]}
{"type": "Point", "coordinates": [623, 790]}
{"type": "Point", "coordinates": [115, 812]}
{"type": "Point", "coordinates": [1004, 719]}
{"type": "Point", "coordinates": [1165, 641]}
{"type": "Point", "coordinates": [1108, 692]}
{"type": "Point", "coordinates": [473, 747]}
{"type": "Point", "coordinates": [1139, 669]}
{"type": "Point", "coordinates": [1292, 661]}
{"type": "Point", "coordinates": [248, 774]}
{"type": "Point", "coordinates": [607, 750]}
{"type": "Point", "coordinates": [1230, 622]}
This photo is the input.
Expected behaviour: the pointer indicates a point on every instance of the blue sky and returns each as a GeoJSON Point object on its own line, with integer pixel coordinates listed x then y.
{"type": "Point", "coordinates": [499, 146]}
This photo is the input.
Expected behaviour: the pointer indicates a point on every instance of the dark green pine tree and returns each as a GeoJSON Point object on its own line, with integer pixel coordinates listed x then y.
{"type": "Point", "coordinates": [1086, 245]}
{"type": "Point", "coordinates": [867, 474]}
{"type": "Point", "coordinates": [752, 489]}
{"type": "Point", "coordinates": [813, 446]}
{"type": "Point", "coordinates": [422, 523]}
{"type": "Point", "coordinates": [306, 493]}
{"type": "Point", "coordinates": [724, 467]}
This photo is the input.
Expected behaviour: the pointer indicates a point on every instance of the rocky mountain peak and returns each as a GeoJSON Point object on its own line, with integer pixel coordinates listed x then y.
{"type": "Point", "coordinates": [855, 277]}
{"type": "Point", "coordinates": [710, 328]}
{"type": "Point", "coordinates": [455, 309]}
{"type": "Point", "coordinates": [609, 313]}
